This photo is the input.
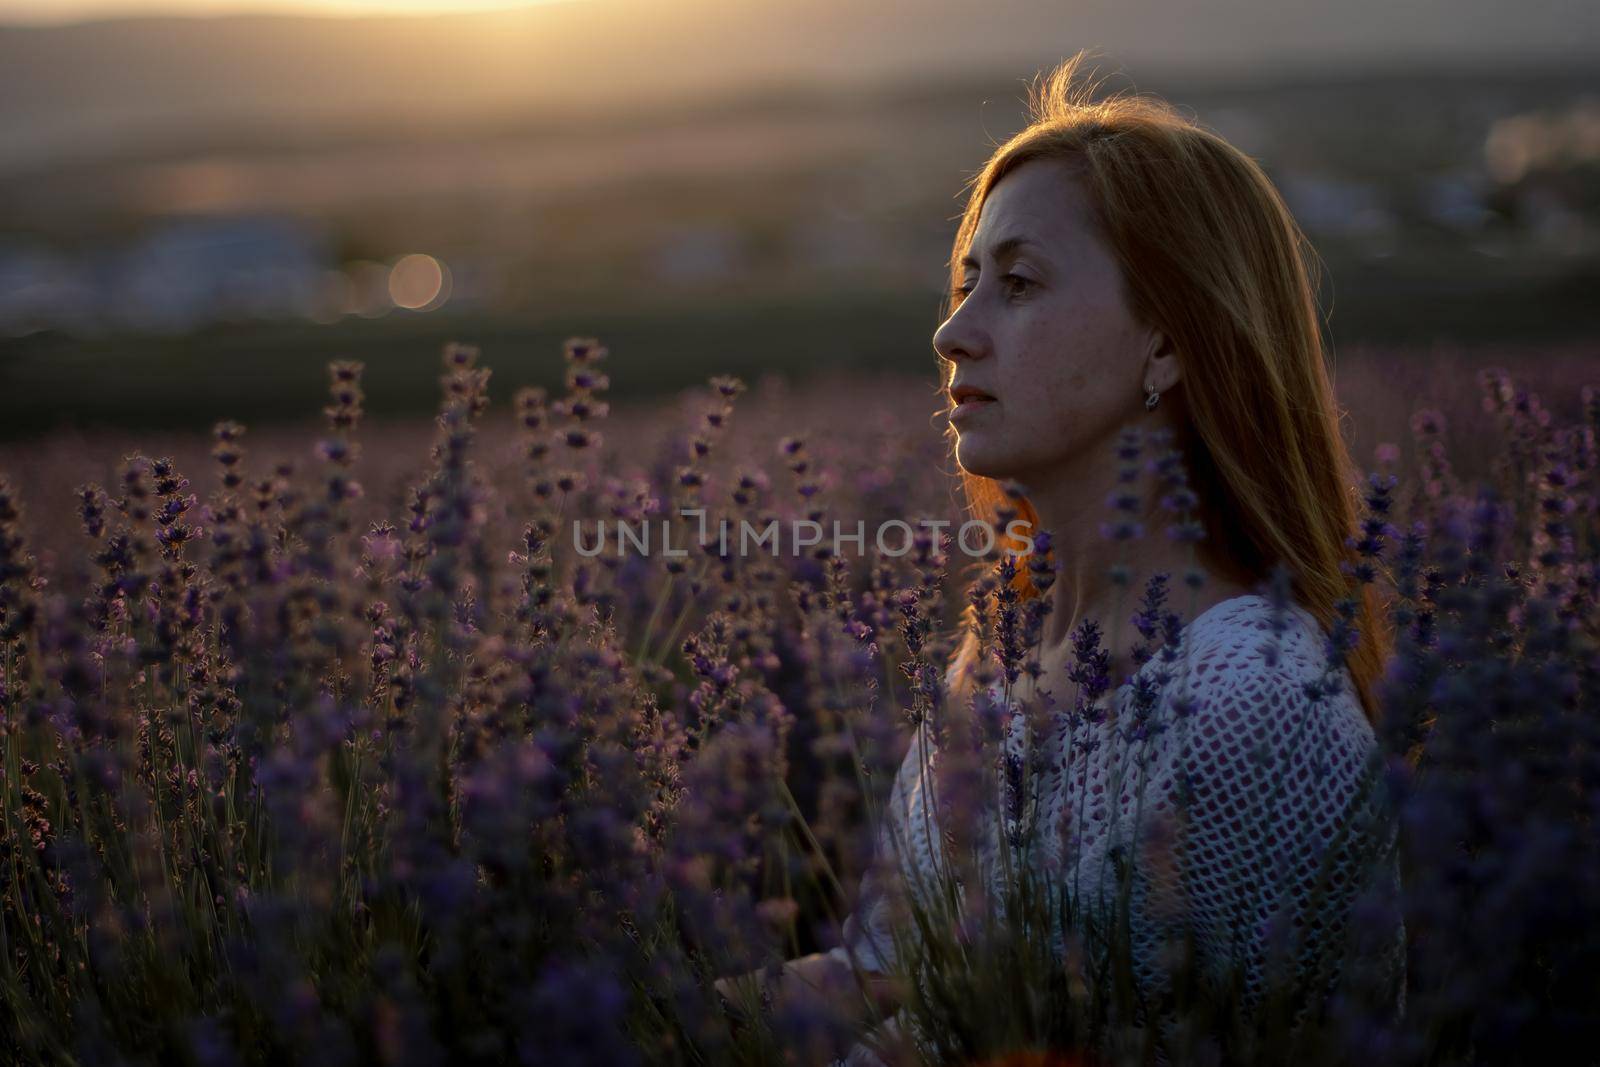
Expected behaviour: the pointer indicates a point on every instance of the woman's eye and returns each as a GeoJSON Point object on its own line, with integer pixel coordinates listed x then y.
{"type": "Point", "coordinates": [1015, 284]}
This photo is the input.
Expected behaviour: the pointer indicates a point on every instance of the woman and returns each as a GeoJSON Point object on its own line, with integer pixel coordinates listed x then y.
{"type": "Point", "coordinates": [1119, 267]}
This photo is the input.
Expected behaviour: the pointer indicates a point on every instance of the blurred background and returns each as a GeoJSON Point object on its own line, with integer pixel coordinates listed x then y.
{"type": "Point", "coordinates": [204, 201]}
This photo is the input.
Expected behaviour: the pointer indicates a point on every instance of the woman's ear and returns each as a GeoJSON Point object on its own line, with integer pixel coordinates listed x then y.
{"type": "Point", "coordinates": [1161, 370]}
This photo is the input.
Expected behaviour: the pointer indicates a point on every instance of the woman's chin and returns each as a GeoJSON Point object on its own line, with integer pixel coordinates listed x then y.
{"type": "Point", "coordinates": [981, 462]}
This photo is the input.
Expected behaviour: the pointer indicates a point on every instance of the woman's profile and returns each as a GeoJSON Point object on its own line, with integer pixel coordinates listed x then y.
{"type": "Point", "coordinates": [1119, 268]}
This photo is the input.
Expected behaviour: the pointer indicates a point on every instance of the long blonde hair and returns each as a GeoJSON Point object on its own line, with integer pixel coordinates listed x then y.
{"type": "Point", "coordinates": [1211, 257]}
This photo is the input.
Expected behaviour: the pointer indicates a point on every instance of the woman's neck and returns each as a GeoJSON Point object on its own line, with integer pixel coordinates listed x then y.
{"type": "Point", "coordinates": [1073, 509]}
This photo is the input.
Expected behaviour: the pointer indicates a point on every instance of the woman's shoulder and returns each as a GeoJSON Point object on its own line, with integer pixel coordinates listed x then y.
{"type": "Point", "coordinates": [1250, 641]}
{"type": "Point", "coordinates": [1256, 675]}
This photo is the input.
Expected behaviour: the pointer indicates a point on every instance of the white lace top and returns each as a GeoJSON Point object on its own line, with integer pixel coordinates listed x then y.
{"type": "Point", "coordinates": [1273, 774]}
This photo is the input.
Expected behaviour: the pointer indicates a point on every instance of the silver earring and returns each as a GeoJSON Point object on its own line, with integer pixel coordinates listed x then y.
{"type": "Point", "coordinates": [1152, 400]}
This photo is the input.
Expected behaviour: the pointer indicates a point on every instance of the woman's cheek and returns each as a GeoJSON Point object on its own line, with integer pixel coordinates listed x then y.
{"type": "Point", "coordinates": [1041, 419]}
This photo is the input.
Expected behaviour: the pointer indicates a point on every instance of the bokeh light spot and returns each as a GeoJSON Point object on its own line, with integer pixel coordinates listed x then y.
{"type": "Point", "coordinates": [419, 282]}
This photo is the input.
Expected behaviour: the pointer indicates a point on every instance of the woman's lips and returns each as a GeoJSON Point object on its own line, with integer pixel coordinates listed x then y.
{"type": "Point", "coordinates": [970, 405]}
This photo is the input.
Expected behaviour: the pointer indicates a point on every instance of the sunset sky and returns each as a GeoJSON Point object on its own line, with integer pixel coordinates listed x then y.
{"type": "Point", "coordinates": [48, 11]}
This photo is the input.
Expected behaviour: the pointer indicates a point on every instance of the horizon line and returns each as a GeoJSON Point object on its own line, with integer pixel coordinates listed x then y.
{"type": "Point", "coordinates": [319, 10]}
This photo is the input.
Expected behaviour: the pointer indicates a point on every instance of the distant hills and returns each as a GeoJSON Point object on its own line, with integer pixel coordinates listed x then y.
{"type": "Point", "coordinates": [89, 89]}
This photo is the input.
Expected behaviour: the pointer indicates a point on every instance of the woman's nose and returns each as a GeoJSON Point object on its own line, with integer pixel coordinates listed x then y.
{"type": "Point", "coordinates": [959, 338]}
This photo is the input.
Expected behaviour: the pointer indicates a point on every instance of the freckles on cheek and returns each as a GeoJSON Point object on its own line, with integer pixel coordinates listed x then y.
{"type": "Point", "coordinates": [1060, 383]}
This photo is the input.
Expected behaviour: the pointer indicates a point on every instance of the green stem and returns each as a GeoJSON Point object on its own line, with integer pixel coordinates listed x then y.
{"type": "Point", "coordinates": [655, 613]}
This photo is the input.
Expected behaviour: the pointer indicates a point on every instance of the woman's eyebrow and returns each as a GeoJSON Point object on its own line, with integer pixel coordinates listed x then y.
{"type": "Point", "coordinates": [1002, 248]}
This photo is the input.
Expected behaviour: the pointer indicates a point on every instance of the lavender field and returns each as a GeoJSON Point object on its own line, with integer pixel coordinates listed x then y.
{"type": "Point", "coordinates": [332, 744]}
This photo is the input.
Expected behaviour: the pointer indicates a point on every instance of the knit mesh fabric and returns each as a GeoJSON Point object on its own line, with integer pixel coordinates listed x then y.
{"type": "Point", "coordinates": [1272, 847]}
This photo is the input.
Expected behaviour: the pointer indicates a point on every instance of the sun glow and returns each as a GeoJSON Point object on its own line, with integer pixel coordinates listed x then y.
{"type": "Point", "coordinates": [59, 11]}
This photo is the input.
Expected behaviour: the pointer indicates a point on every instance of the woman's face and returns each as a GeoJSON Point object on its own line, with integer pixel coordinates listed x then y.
{"type": "Point", "coordinates": [1043, 329]}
